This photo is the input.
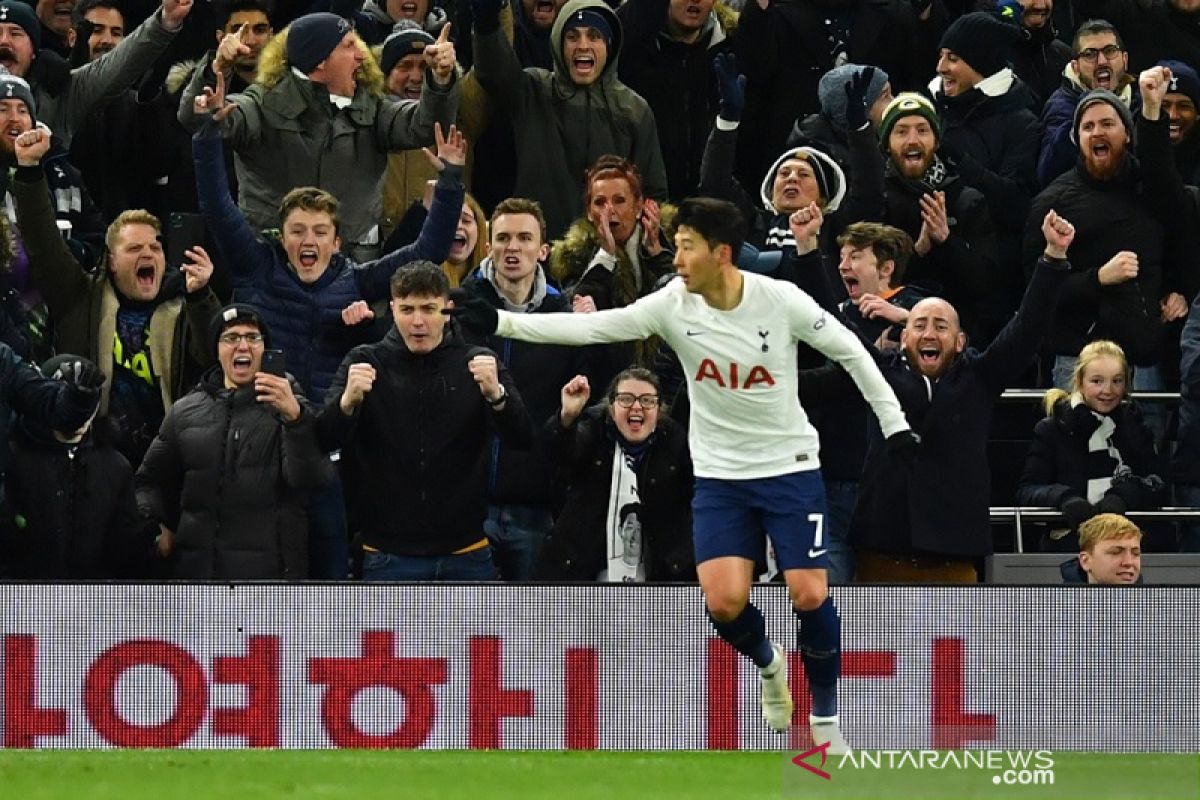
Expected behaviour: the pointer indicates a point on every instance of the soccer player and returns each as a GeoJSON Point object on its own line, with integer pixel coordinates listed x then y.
{"type": "Point", "coordinates": [754, 450]}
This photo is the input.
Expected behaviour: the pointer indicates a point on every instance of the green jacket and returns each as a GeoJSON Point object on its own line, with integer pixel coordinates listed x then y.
{"type": "Point", "coordinates": [291, 135]}
{"type": "Point", "coordinates": [560, 128]}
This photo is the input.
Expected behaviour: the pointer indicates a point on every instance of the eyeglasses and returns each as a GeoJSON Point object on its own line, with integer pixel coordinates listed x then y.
{"type": "Point", "coordinates": [626, 400]}
{"type": "Point", "coordinates": [1091, 54]}
{"type": "Point", "coordinates": [235, 338]}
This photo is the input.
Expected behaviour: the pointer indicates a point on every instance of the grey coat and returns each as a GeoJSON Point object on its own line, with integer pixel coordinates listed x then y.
{"type": "Point", "coordinates": [291, 135]}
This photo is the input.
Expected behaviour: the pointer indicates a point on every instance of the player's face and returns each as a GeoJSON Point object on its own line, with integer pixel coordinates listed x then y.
{"type": "Point", "coordinates": [1102, 384]}
{"type": "Point", "coordinates": [861, 272]}
{"type": "Point", "coordinates": [516, 246]}
{"type": "Point", "coordinates": [957, 75]}
{"type": "Point", "coordinates": [695, 261]}
{"type": "Point", "coordinates": [795, 186]}
{"type": "Point", "coordinates": [624, 207]}
{"type": "Point", "coordinates": [465, 237]}
{"type": "Point", "coordinates": [932, 337]}
{"type": "Point", "coordinates": [911, 144]}
{"type": "Point", "coordinates": [310, 239]}
{"type": "Point", "coordinates": [420, 320]}
{"type": "Point", "coordinates": [1181, 112]}
{"type": "Point", "coordinates": [1113, 562]}
{"type": "Point", "coordinates": [638, 421]}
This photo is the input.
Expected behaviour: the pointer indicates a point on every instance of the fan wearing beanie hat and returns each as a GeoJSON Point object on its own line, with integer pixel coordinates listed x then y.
{"type": "Point", "coordinates": [1182, 100]}
{"type": "Point", "coordinates": [239, 336]}
{"type": "Point", "coordinates": [312, 37]}
{"type": "Point", "coordinates": [586, 36]}
{"type": "Point", "coordinates": [402, 59]}
{"type": "Point", "coordinates": [831, 91]}
{"type": "Point", "coordinates": [16, 88]}
{"type": "Point", "coordinates": [914, 149]}
{"type": "Point", "coordinates": [1102, 148]}
{"type": "Point", "coordinates": [21, 51]}
{"type": "Point", "coordinates": [973, 48]}
{"type": "Point", "coordinates": [803, 175]}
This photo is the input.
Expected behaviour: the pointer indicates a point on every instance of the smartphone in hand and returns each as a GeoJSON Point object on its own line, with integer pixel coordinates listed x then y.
{"type": "Point", "coordinates": [273, 363]}
{"type": "Point", "coordinates": [184, 232]}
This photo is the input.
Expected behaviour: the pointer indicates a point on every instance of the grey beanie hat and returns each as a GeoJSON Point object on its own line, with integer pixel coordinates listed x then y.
{"type": "Point", "coordinates": [831, 90]}
{"type": "Point", "coordinates": [1103, 96]}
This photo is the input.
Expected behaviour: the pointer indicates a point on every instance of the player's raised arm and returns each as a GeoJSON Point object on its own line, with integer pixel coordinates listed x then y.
{"type": "Point", "coordinates": [631, 323]}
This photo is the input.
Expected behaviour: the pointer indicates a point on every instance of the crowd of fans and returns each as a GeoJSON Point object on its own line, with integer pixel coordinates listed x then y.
{"type": "Point", "coordinates": [280, 391]}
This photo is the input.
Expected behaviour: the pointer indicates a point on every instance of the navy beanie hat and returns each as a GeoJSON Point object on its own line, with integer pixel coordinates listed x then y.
{"type": "Point", "coordinates": [311, 38]}
{"type": "Point", "coordinates": [589, 18]}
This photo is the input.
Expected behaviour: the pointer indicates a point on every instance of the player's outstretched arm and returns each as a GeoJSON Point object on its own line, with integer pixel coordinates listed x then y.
{"type": "Point", "coordinates": [631, 323]}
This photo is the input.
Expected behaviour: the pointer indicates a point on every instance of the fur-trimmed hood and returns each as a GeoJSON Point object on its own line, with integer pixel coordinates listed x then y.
{"type": "Point", "coordinates": [273, 66]}
{"type": "Point", "coordinates": [570, 256]}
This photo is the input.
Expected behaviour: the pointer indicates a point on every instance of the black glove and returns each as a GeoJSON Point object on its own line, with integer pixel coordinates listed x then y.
{"type": "Point", "coordinates": [731, 86]}
{"type": "Point", "coordinates": [81, 373]}
{"type": "Point", "coordinates": [1076, 510]}
{"type": "Point", "coordinates": [473, 312]}
{"type": "Point", "coordinates": [903, 446]}
{"type": "Point", "coordinates": [1111, 503]}
{"type": "Point", "coordinates": [487, 14]}
{"type": "Point", "coordinates": [856, 98]}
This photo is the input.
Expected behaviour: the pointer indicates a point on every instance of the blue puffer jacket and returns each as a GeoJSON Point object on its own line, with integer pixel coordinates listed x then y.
{"type": "Point", "coordinates": [306, 319]}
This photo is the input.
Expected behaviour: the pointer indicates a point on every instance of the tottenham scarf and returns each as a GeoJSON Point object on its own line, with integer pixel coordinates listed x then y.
{"type": "Point", "coordinates": [623, 527]}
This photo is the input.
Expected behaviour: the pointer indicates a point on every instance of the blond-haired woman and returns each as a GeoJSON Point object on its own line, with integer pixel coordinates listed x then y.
{"type": "Point", "coordinates": [1093, 453]}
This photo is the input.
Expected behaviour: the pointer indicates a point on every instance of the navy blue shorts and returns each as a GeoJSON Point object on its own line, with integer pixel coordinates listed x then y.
{"type": "Point", "coordinates": [733, 517]}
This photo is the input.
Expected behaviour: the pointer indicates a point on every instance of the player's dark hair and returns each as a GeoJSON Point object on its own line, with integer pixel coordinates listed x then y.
{"type": "Point", "coordinates": [420, 279]}
{"type": "Point", "coordinates": [718, 221]}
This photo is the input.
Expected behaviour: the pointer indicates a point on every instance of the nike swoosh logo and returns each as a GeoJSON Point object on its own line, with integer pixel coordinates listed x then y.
{"type": "Point", "coordinates": [695, 333]}
{"type": "Point", "coordinates": [816, 553]}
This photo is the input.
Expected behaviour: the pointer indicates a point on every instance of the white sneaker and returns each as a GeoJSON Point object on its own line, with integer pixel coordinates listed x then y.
{"type": "Point", "coordinates": [826, 729]}
{"type": "Point", "coordinates": [776, 696]}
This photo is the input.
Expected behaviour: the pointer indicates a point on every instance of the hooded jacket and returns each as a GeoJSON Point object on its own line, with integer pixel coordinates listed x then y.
{"type": "Point", "coordinates": [232, 479]}
{"type": "Point", "coordinates": [286, 132]}
{"type": "Point", "coordinates": [415, 452]}
{"type": "Point", "coordinates": [561, 128]}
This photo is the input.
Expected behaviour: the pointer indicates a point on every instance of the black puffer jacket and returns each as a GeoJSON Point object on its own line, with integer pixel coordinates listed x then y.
{"type": "Point", "coordinates": [69, 510]}
{"type": "Point", "coordinates": [229, 477]}
{"type": "Point", "coordinates": [575, 550]}
{"type": "Point", "coordinates": [1057, 465]}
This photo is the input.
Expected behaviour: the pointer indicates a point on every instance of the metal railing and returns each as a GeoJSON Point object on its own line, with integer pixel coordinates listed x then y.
{"type": "Point", "coordinates": [1016, 514]}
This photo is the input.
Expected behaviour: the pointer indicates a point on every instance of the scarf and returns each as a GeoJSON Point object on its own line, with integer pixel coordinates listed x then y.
{"type": "Point", "coordinates": [626, 552]}
{"type": "Point", "coordinates": [1104, 460]}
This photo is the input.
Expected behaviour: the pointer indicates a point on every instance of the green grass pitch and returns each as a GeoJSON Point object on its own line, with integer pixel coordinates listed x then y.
{"type": "Point", "coordinates": [483, 775]}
